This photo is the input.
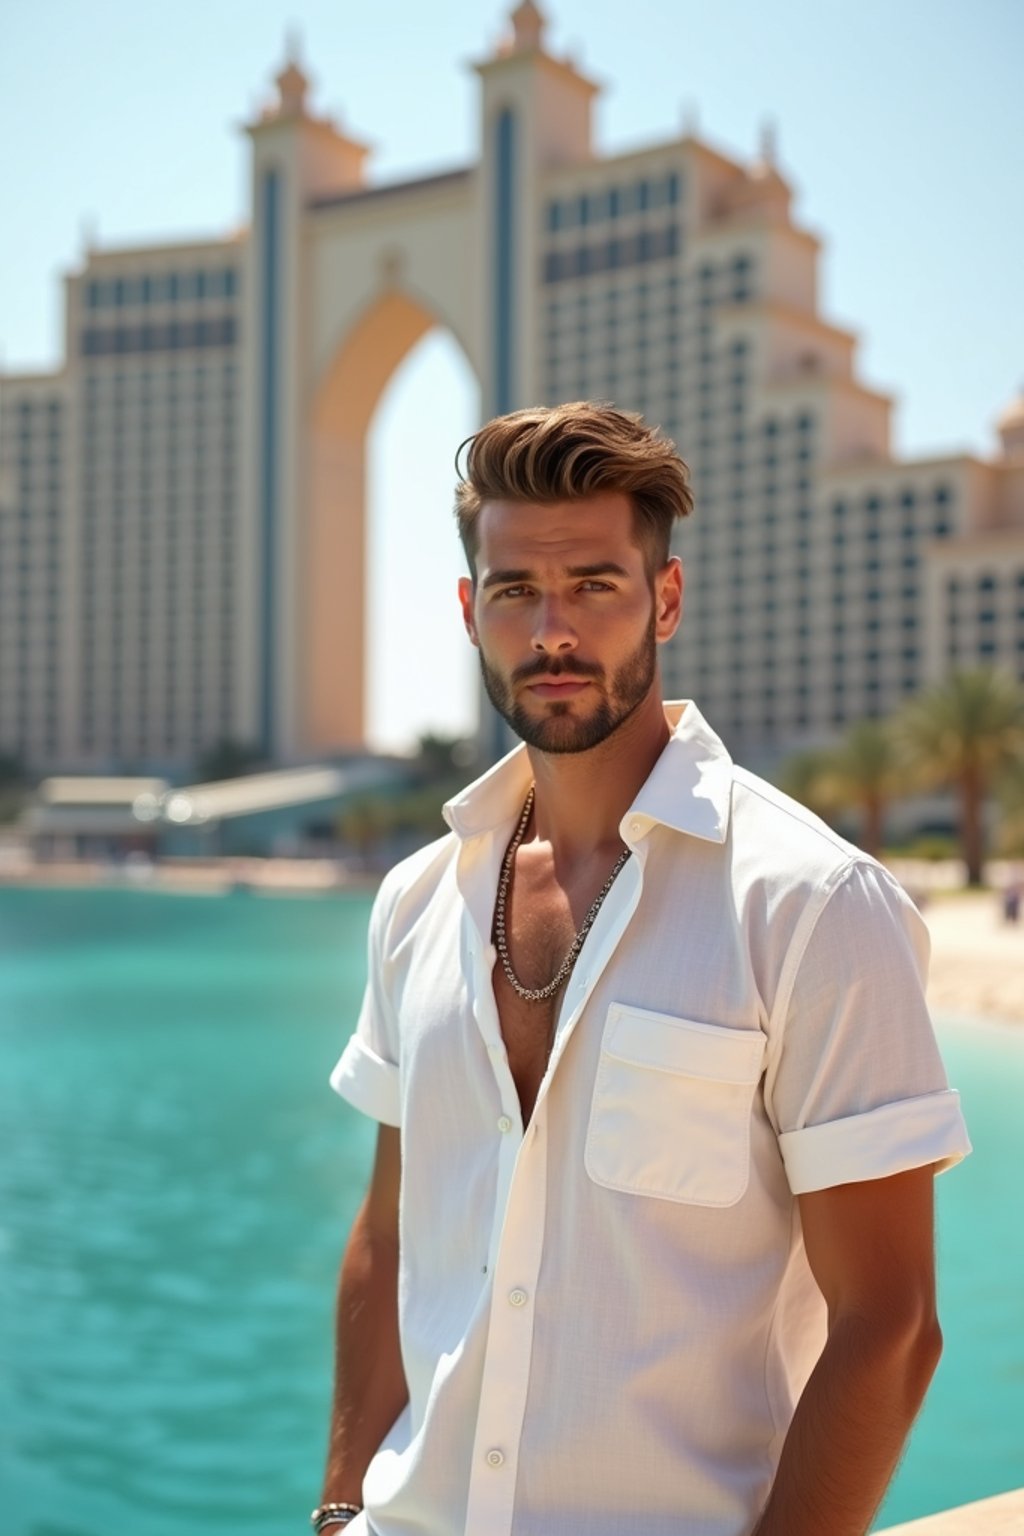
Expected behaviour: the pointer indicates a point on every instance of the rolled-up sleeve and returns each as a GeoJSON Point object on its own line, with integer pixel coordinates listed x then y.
{"type": "Point", "coordinates": [856, 1087]}
{"type": "Point", "coordinates": [367, 1072]}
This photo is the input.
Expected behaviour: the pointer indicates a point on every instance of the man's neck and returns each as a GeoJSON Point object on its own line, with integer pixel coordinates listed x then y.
{"type": "Point", "coordinates": [583, 796]}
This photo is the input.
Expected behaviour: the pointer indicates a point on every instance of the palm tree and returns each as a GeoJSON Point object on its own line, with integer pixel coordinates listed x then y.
{"type": "Point", "coordinates": [964, 732]}
{"type": "Point", "coordinates": [864, 771]}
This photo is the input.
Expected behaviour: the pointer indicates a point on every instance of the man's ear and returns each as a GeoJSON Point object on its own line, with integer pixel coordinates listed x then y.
{"type": "Point", "coordinates": [668, 599]}
{"type": "Point", "coordinates": [466, 595]}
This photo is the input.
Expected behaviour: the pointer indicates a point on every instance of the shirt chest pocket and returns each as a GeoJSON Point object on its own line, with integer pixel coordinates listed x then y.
{"type": "Point", "coordinates": [670, 1115]}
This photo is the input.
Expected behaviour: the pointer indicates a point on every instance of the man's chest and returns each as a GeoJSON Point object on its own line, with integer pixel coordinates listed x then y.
{"type": "Point", "coordinates": [675, 950]}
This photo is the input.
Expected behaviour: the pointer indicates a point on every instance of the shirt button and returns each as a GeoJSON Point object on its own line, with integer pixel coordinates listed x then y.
{"type": "Point", "coordinates": [504, 1125]}
{"type": "Point", "coordinates": [518, 1297]}
{"type": "Point", "coordinates": [495, 1458]}
{"type": "Point", "coordinates": [636, 827]}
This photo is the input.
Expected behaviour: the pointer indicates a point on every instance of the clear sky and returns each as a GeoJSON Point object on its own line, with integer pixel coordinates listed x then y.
{"type": "Point", "coordinates": [900, 123]}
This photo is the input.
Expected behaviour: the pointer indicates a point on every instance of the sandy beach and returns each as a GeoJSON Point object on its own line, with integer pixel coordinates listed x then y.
{"type": "Point", "coordinates": [977, 965]}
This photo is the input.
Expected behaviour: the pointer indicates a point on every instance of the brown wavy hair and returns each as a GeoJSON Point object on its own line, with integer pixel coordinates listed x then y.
{"type": "Point", "coordinates": [568, 453]}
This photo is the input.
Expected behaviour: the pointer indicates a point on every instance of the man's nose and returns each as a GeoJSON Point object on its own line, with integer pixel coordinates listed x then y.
{"type": "Point", "coordinates": [553, 632]}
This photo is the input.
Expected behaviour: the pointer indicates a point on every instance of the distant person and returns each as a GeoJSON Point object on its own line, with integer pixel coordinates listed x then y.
{"type": "Point", "coordinates": [1011, 902]}
{"type": "Point", "coordinates": [647, 1246]}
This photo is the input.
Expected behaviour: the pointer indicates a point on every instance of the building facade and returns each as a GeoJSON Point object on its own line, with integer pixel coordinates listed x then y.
{"type": "Point", "coordinates": [182, 505]}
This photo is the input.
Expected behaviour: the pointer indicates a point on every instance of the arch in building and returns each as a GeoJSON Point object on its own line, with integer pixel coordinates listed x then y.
{"type": "Point", "coordinates": [332, 562]}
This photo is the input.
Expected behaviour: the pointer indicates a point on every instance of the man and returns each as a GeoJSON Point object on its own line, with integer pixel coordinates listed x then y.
{"type": "Point", "coordinates": [647, 1246]}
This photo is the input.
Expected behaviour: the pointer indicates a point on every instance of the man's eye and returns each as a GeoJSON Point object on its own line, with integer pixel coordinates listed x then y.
{"type": "Point", "coordinates": [512, 591]}
{"type": "Point", "coordinates": [598, 586]}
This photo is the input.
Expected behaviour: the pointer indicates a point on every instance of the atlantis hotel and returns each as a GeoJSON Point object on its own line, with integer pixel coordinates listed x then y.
{"type": "Point", "coordinates": [183, 503]}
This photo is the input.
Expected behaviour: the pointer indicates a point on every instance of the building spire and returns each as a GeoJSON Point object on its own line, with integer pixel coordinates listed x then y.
{"type": "Point", "coordinates": [292, 83]}
{"type": "Point", "coordinates": [1010, 426]}
{"type": "Point", "coordinates": [528, 24]}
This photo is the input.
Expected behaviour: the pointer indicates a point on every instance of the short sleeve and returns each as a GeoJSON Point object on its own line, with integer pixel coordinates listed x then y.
{"type": "Point", "coordinates": [367, 1072]}
{"type": "Point", "coordinates": [856, 1087]}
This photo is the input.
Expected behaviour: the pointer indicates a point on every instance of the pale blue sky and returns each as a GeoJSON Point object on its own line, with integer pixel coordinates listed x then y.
{"type": "Point", "coordinates": [899, 121]}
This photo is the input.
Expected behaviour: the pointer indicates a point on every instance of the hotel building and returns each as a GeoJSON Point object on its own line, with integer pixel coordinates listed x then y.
{"type": "Point", "coordinates": [182, 504]}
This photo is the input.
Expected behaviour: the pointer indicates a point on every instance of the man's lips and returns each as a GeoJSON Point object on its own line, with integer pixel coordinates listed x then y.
{"type": "Point", "coordinates": [558, 687]}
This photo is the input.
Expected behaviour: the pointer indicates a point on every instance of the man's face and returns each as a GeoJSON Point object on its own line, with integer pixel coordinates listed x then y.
{"type": "Point", "coordinates": [566, 618]}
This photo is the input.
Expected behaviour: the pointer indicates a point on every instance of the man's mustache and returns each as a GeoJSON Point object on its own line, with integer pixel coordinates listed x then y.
{"type": "Point", "coordinates": [562, 668]}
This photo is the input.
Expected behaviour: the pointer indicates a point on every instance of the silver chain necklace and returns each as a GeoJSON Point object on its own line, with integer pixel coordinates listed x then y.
{"type": "Point", "coordinates": [540, 994]}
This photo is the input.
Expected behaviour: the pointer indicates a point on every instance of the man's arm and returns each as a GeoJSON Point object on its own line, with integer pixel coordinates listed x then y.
{"type": "Point", "coordinates": [871, 1250]}
{"type": "Point", "coordinates": [369, 1383]}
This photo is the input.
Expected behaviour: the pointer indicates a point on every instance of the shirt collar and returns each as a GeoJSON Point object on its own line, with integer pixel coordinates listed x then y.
{"type": "Point", "coordinates": [688, 789]}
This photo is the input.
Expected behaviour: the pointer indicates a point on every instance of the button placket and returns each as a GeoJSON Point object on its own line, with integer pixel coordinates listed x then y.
{"type": "Point", "coordinates": [507, 1358]}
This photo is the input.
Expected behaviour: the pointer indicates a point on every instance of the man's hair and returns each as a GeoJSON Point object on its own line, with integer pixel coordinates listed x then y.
{"type": "Point", "coordinates": [569, 453]}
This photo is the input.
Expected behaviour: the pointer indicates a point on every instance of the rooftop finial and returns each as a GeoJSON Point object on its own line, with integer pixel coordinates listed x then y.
{"type": "Point", "coordinates": [528, 23]}
{"type": "Point", "coordinates": [292, 83]}
{"type": "Point", "coordinates": [769, 142]}
{"type": "Point", "coordinates": [1010, 426]}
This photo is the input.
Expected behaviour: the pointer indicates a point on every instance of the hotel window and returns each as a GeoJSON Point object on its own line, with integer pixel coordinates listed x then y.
{"type": "Point", "coordinates": [741, 267]}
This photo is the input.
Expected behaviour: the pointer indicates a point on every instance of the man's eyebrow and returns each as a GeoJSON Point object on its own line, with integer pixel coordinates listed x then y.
{"type": "Point", "coordinates": [503, 578]}
{"type": "Point", "coordinates": [510, 577]}
{"type": "Point", "coordinates": [600, 568]}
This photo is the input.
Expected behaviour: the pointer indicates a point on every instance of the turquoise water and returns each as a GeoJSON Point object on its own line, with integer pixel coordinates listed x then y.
{"type": "Point", "coordinates": [176, 1180]}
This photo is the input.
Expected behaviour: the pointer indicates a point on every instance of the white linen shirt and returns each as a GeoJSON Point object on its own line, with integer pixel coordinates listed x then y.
{"type": "Point", "coordinates": [606, 1322]}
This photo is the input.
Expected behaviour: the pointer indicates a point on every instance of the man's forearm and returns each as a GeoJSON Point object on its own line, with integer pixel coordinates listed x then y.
{"type": "Point", "coordinates": [369, 1385]}
{"type": "Point", "coordinates": [849, 1428]}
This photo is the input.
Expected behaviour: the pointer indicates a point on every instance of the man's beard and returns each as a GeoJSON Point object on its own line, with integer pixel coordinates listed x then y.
{"type": "Point", "coordinates": [557, 730]}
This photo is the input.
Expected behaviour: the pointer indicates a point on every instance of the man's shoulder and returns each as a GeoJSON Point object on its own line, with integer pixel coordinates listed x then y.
{"type": "Point", "coordinates": [788, 834]}
{"type": "Point", "coordinates": [416, 879]}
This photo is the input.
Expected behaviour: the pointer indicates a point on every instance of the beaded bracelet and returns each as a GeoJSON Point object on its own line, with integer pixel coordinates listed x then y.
{"type": "Point", "coordinates": [333, 1514]}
